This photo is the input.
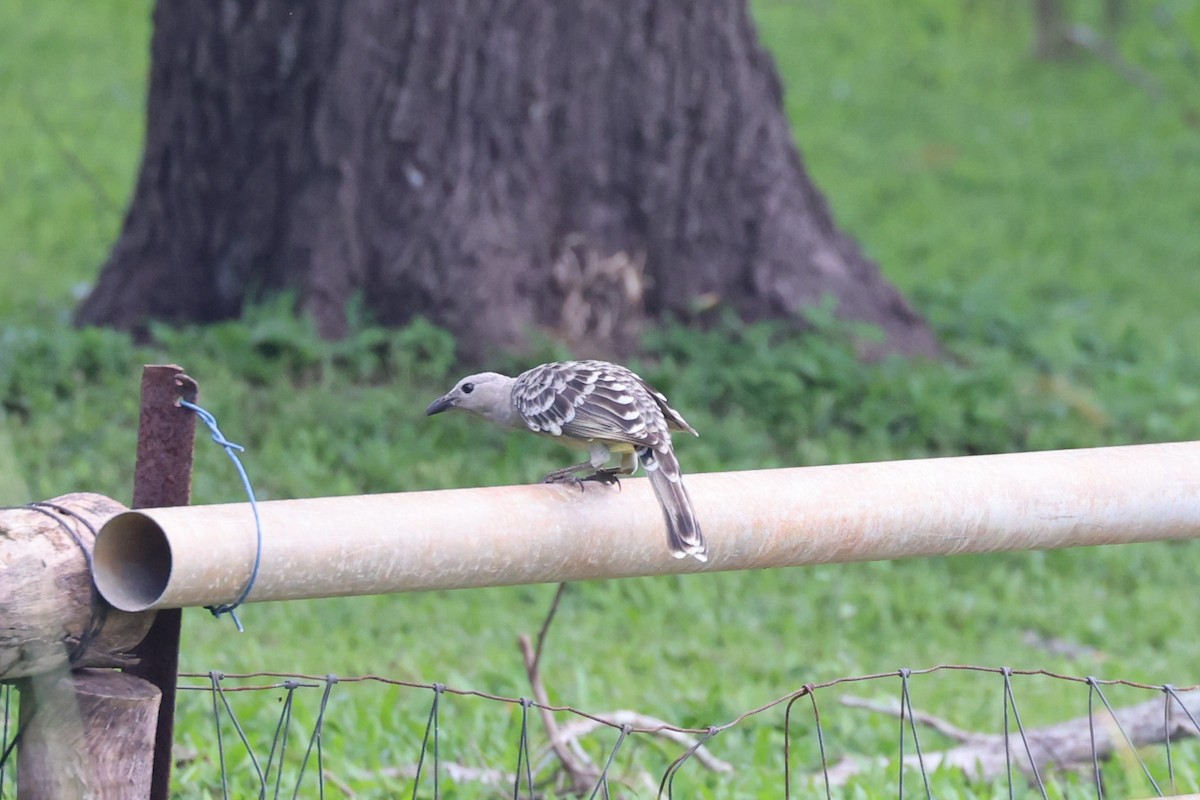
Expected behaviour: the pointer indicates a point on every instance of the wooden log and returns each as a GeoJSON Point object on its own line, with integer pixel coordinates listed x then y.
{"type": "Point", "coordinates": [1061, 746]}
{"type": "Point", "coordinates": [86, 734]}
{"type": "Point", "coordinates": [50, 613]}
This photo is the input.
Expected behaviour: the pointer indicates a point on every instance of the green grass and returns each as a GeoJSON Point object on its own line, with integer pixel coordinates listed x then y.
{"type": "Point", "coordinates": [72, 93]}
{"type": "Point", "coordinates": [1041, 215]}
{"type": "Point", "coordinates": [957, 159]}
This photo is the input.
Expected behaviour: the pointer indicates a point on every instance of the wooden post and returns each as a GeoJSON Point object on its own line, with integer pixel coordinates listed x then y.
{"type": "Point", "coordinates": [83, 733]}
{"type": "Point", "coordinates": [89, 733]}
{"type": "Point", "coordinates": [86, 734]}
{"type": "Point", "coordinates": [50, 615]}
{"type": "Point", "coordinates": [163, 477]}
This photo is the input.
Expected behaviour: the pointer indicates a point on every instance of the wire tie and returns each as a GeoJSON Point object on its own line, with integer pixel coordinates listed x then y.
{"type": "Point", "coordinates": [232, 449]}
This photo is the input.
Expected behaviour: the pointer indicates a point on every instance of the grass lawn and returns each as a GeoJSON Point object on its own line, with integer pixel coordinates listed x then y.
{"type": "Point", "coordinates": [1044, 218]}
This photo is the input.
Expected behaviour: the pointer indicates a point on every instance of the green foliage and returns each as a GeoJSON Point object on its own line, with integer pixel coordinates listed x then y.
{"type": "Point", "coordinates": [346, 417]}
{"type": "Point", "coordinates": [270, 345]}
{"type": "Point", "coordinates": [1042, 217]}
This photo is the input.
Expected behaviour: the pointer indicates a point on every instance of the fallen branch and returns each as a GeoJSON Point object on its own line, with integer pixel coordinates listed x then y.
{"type": "Point", "coordinates": [582, 774]}
{"type": "Point", "coordinates": [564, 741]}
{"type": "Point", "coordinates": [947, 729]}
{"type": "Point", "coordinates": [575, 730]}
{"type": "Point", "coordinates": [581, 771]}
{"type": "Point", "coordinates": [1062, 746]}
{"type": "Point", "coordinates": [1085, 38]}
{"type": "Point", "coordinates": [341, 785]}
{"type": "Point", "coordinates": [459, 773]}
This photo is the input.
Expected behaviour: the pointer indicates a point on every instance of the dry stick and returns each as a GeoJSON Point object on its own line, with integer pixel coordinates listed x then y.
{"type": "Point", "coordinates": [948, 729]}
{"type": "Point", "coordinates": [565, 739]}
{"type": "Point", "coordinates": [582, 775]}
{"type": "Point", "coordinates": [341, 785]}
{"type": "Point", "coordinates": [574, 730]}
{"type": "Point", "coordinates": [1084, 37]}
{"type": "Point", "coordinates": [459, 773]}
{"type": "Point", "coordinates": [545, 629]}
{"type": "Point", "coordinates": [1064, 745]}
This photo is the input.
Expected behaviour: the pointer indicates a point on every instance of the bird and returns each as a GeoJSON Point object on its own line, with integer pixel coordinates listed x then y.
{"type": "Point", "coordinates": [601, 407]}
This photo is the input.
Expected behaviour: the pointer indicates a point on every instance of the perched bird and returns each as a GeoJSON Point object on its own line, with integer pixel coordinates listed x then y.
{"type": "Point", "coordinates": [600, 407]}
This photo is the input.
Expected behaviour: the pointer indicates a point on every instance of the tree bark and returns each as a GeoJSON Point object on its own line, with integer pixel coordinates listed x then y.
{"type": "Point", "coordinates": [574, 167]}
{"type": "Point", "coordinates": [86, 734]}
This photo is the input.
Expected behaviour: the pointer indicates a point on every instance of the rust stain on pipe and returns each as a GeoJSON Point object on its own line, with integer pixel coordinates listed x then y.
{"type": "Point", "coordinates": [371, 544]}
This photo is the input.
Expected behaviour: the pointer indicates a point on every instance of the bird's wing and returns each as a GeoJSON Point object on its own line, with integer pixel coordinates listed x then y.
{"type": "Point", "coordinates": [674, 418]}
{"type": "Point", "coordinates": [591, 400]}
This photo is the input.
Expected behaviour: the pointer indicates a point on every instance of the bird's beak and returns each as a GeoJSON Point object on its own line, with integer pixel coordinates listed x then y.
{"type": "Point", "coordinates": [439, 405]}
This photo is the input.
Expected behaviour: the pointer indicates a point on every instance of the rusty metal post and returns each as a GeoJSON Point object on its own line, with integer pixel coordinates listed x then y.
{"type": "Point", "coordinates": [163, 477]}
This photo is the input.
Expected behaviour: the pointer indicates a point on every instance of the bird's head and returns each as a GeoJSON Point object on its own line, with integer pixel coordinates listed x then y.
{"type": "Point", "coordinates": [487, 394]}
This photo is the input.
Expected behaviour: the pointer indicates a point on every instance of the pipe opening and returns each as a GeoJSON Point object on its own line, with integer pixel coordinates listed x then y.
{"type": "Point", "coordinates": [131, 563]}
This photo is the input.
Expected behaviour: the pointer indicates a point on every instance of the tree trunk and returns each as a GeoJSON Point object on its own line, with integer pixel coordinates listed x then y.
{"type": "Point", "coordinates": [1050, 36]}
{"type": "Point", "coordinates": [573, 167]}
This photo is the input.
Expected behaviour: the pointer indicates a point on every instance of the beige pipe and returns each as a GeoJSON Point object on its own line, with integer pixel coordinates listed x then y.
{"type": "Point", "coordinates": [372, 544]}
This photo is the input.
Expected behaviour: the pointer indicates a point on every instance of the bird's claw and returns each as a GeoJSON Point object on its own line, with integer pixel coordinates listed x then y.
{"type": "Point", "coordinates": [570, 479]}
{"type": "Point", "coordinates": [608, 477]}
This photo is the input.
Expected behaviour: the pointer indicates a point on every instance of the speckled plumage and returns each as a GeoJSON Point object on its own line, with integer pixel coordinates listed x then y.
{"type": "Point", "coordinates": [595, 400]}
{"type": "Point", "coordinates": [602, 407]}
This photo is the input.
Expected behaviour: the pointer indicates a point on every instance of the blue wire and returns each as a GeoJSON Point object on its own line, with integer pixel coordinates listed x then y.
{"type": "Point", "coordinates": [230, 448]}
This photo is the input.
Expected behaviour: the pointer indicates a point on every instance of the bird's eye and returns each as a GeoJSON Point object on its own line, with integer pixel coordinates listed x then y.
{"type": "Point", "coordinates": [467, 388]}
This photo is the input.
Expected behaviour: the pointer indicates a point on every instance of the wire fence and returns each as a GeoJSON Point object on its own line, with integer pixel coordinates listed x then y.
{"type": "Point", "coordinates": [434, 738]}
{"type": "Point", "coordinates": [8, 739]}
{"type": "Point", "coordinates": [281, 735]}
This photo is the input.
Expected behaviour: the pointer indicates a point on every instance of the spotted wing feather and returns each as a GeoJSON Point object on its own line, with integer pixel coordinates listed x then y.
{"type": "Point", "coordinates": [595, 400]}
{"type": "Point", "coordinates": [599, 401]}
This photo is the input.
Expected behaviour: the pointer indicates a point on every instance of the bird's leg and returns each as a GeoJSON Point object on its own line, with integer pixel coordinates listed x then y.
{"type": "Point", "coordinates": [609, 475]}
{"type": "Point", "coordinates": [567, 475]}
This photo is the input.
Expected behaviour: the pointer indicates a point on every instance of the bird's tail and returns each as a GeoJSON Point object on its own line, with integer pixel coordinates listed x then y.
{"type": "Point", "coordinates": [683, 532]}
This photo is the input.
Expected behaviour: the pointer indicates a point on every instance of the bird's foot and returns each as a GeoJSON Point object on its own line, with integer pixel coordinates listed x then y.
{"type": "Point", "coordinates": [564, 477]}
{"type": "Point", "coordinates": [608, 477]}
